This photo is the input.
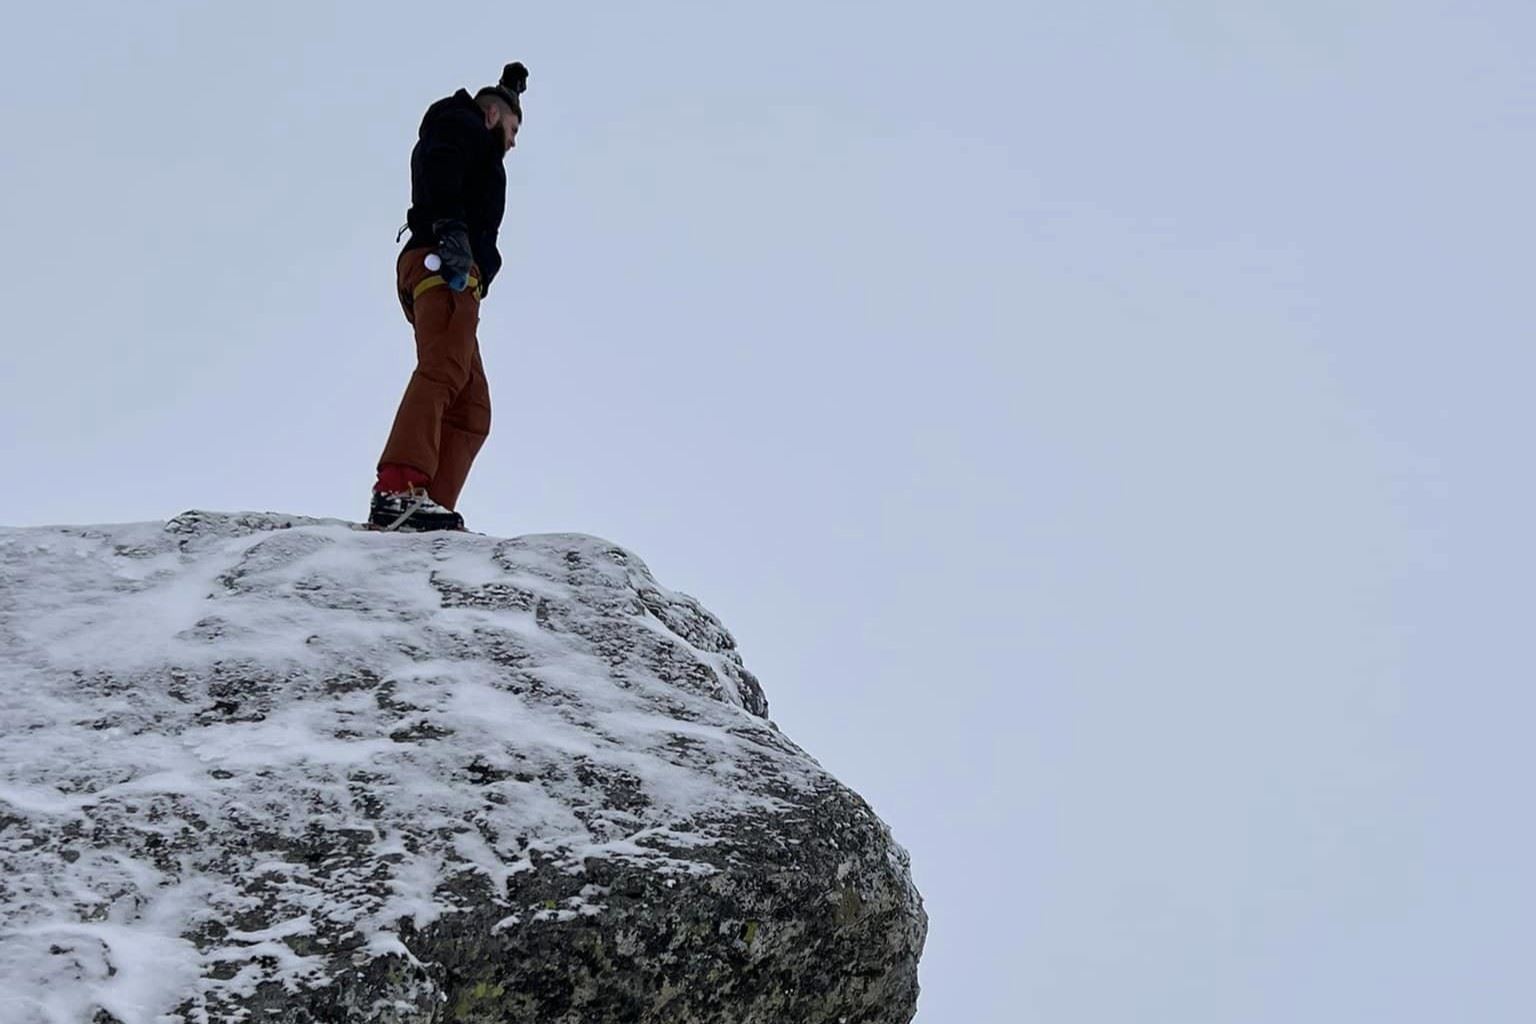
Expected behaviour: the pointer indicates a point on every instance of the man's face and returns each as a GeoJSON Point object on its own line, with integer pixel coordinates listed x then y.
{"type": "Point", "coordinates": [504, 124]}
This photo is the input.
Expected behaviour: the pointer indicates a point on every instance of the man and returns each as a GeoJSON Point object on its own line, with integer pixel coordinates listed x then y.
{"type": "Point", "coordinates": [458, 195]}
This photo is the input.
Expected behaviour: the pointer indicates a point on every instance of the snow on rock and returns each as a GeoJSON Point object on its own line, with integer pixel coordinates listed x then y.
{"type": "Point", "coordinates": [267, 768]}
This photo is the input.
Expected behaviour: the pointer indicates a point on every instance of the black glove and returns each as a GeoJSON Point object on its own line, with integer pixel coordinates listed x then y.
{"type": "Point", "coordinates": [453, 249]}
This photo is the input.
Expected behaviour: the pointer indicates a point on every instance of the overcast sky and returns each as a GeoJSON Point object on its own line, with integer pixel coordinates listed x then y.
{"type": "Point", "coordinates": [1104, 425]}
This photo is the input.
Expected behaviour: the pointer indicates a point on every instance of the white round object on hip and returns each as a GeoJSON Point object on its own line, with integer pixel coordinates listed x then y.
{"type": "Point", "coordinates": [433, 262]}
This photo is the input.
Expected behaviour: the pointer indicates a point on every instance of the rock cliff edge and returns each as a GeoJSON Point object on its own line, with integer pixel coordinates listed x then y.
{"type": "Point", "coordinates": [263, 768]}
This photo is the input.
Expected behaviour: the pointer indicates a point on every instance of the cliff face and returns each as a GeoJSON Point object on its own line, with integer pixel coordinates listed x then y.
{"type": "Point", "coordinates": [264, 768]}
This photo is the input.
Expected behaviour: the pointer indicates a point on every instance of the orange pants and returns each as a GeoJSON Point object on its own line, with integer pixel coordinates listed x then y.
{"type": "Point", "coordinates": [445, 415]}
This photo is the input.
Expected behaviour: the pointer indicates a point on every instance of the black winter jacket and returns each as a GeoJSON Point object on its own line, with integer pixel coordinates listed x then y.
{"type": "Point", "coordinates": [457, 173]}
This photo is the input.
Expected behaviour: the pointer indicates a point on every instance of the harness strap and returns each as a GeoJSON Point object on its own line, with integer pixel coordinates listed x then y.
{"type": "Point", "coordinates": [436, 280]}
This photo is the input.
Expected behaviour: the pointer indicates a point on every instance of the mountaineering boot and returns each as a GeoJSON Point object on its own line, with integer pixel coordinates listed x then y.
{"type": "Point", "coordinates": [412, 511]}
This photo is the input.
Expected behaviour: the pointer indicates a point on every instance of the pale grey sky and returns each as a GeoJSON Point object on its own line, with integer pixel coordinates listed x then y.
{"type": "Point", "coordinates": [1103, 425]}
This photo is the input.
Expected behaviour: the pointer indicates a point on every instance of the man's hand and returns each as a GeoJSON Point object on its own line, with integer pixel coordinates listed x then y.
{"type": "Point", "coordinates": [453, 250]}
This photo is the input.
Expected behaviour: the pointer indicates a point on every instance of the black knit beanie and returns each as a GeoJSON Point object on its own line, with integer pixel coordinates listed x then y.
{"type": "Point", "coordinates": [514, 79]}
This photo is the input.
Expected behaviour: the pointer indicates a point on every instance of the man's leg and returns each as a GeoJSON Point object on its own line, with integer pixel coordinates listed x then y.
{"type": "Point", "coordinates": [466, 424]}
{"type": "Point", "coordinates": [446, 358]}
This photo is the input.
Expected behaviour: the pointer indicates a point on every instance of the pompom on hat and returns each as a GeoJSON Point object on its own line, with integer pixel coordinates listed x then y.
{"type": "Point", "coordinates": [514, 79]}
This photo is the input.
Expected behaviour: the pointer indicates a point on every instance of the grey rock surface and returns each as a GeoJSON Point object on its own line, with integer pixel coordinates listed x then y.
{"type": "Point", "coordinates": [267, 768]}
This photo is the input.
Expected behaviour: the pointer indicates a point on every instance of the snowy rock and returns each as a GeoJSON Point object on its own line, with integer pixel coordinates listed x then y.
{"type": "Point", "coordinates": [264, 768]}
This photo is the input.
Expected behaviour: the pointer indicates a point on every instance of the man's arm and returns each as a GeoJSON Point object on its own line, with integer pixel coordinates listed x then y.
{"type": "Point", "coordinates": [445, 149]}
{"type": "Point", "coordinates": [446, 144]}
